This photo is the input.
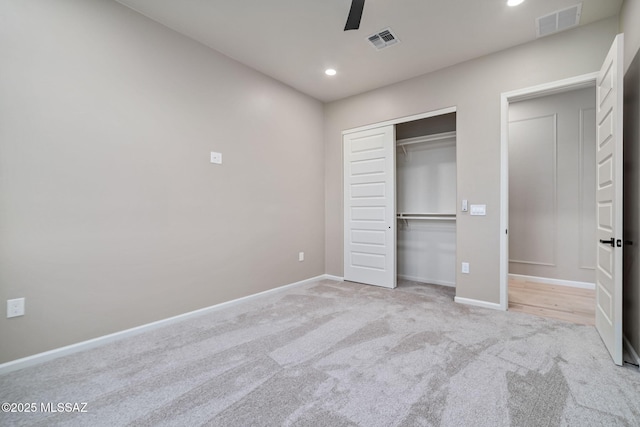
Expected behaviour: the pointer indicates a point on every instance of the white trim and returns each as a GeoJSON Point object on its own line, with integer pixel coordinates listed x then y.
{"type": "Point", "coordinates": [552, 88]}
{"type": "Point", "coordinates": [332, 277]}
{"type": "Point", "coordinates": [478, 303]}
{"type": "Point", "coordinates": [427, 281]}
{"type": "Point", "coordinates": [35, 359]}
{"type": "Point", "coordinates": [549, 281]}
{"type": "Point", "coordinates": [573, 83]}
{"type": "Point", "coordinates": [629, 348]}
{"type": "Point", "coordinates": [504, 201]}
{"type": "Point", "coordinates": [402, 120]}
{"type": "Point", "coordinates": [517, 261]}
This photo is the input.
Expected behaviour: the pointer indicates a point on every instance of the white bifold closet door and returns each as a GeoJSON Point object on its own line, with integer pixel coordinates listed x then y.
{"type": "Point", "coordinates": [369, 207]}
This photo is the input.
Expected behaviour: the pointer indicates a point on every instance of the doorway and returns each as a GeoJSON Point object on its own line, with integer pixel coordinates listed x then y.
{"type": "Point", "coordinates": [552, 237]}
{"type": "Point", "coordinates": [559, 87]}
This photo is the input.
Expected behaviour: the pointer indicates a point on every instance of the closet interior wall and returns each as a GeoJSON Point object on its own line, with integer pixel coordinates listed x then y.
{"type": "Point", "coordinates": [426, 200]}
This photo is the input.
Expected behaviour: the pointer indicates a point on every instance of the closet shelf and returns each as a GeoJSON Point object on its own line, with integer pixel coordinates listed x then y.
{"type": "Point", "coordinates": [426, 139]}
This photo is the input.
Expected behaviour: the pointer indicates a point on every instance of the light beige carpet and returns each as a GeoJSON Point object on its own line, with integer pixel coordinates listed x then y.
{"type": "Point", "coordinates": [340, 354]}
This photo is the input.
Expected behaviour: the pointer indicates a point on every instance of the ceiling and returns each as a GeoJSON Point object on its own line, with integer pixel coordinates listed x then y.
{"type": "Point", "coordinates": [294, 41]}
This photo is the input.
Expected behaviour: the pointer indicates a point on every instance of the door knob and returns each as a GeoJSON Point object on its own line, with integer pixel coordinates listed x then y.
{"type": "Point", "coordinates": [611, 242]}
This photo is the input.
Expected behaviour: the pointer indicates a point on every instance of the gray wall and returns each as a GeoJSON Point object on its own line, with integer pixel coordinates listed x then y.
{"type": "Point", "coordinates": [552, 186]}
{"type": "Point", "coordinates": [111, 215]}
{"type": "Point", "coordinates": [629, 18]}
{"type": "Point", "coordinates": [474, 87]}
{"type": "Point", "coordinates": [631, 261]}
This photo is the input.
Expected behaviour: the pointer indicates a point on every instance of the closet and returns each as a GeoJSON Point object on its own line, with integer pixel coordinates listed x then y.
{"type": "Point", "coordinates": [400, 201]}
{"type": "Point", "coordinates": [426, 200]}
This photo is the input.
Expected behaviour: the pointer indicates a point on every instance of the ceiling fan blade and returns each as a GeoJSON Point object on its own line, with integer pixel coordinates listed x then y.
{"type": "Point", "coordinates": [355, 15]}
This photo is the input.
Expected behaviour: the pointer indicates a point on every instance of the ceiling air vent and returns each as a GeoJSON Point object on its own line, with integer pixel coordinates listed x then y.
{"type": "Point", "coordinates": [559, 20]}
{"type": "Point", "coordinates": [383, 38]}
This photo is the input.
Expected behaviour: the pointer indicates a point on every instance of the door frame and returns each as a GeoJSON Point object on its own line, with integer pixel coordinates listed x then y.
{"type": "Point", "coordinates": [400, 120]}
{"type": "Point", "coordinates": [552, 88]}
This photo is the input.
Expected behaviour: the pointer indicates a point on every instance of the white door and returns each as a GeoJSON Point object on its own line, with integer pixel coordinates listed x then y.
{"type": "Point", "coordinates": [370, 207]}
{"type": "Point", "coordinates": [609, 200]}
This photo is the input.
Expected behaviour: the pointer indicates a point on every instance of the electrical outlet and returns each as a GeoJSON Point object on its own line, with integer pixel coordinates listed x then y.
{"type": "Point", "coordinates": [216, 158]}
{"type": "Point", "coordinates": [15, 307]}
{"type": "Point", "coordinates": [301, 256]}
{"type": "Point", "coordinates": [465, 267]}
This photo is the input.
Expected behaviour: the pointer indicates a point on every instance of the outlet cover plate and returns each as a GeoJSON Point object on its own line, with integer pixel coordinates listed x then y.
{"type": "Point", "coordinates": [15, 307]}
{"type": "Point", "coordinates": [478, 210]}
{"type": "Point", "coordinates": [216, 158]}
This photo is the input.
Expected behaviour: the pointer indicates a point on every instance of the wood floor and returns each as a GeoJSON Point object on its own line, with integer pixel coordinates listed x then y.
{"type": "Point", "coordinates": [557, 302]}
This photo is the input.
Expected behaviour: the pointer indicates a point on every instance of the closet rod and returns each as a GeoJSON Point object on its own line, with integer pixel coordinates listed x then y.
{"type": "Point", "coordinates": [428, 216]}
{"type": "Point", "coordinates": [412, 214]}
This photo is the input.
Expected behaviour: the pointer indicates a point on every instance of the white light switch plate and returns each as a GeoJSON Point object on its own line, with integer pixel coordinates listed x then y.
{"type": "Point", "coordinates": [478, 209]}
{"type": "Point", "coordinates": [465, 267]}
{"type": "Point", "coordinates": [216, 158]}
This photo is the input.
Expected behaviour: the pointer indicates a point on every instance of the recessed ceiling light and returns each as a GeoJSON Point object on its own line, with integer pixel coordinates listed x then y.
{"type": "Point", "coordinates": [330, 72]}
{"type": "Point", "coordinates": [514, 2]}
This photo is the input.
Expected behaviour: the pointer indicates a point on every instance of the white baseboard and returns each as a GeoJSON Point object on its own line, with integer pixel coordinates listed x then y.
{"type": "Point", "coordinates": [560, 282]}
{"type": "Point", "coordinates": [331, 277]}
{"type": "Point", "coordinates": [35, 359]}
{"type": "Point", "coordinates": [629, 348]}
{"type": "Point", "coordinates": [478, 303]}
{"type": "Point", "coordinates": [429, 281]}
